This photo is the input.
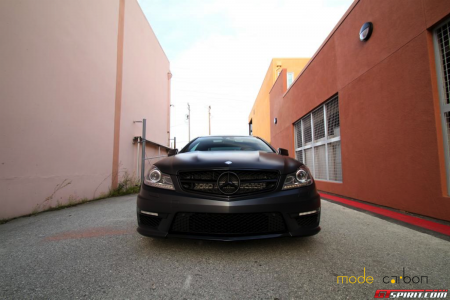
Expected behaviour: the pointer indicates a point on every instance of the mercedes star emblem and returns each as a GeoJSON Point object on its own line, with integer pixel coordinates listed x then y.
{"type": "Point", "coordinates": [228, 183]}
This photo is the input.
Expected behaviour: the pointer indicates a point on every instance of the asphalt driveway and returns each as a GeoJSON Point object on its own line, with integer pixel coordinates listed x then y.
{"type": "Point", "coordinates": [93, 251]}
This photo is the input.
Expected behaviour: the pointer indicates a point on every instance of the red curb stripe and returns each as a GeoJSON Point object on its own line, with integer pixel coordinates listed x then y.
{"type": "Point", "coordinates": [441, 228]}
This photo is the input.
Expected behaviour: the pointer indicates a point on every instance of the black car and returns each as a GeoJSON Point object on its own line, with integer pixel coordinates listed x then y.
{"type": "Point", "coordinates": [228, 188]}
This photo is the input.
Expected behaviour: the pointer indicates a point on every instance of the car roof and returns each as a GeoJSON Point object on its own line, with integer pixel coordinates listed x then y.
{"type": "Point", "coordinates": [220, 136]}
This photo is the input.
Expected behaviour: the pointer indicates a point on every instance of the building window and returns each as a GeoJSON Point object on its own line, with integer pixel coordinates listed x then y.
{"type": "Point", "coordinates": [290, 79]}
{"type": "Point", "coordinates": [318, 141]}
{"type": "Point", "coordinates": [442, 46]}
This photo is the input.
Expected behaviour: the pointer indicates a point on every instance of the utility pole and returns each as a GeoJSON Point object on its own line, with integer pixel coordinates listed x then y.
{"type": "Point", "coordinates": [174, 144]}
{"type": "Point", "coordinates": [171, 105]}
{"type": "Point", "coordinates": [189, 122]}
{"type": "Point", "coordinates": [209, 118]}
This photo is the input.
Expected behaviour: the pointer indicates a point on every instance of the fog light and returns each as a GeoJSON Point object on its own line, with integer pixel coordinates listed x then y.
{"type": "Point", "coordinates": [149, 213]}
{"type": "Point", "coordinates": [308, 213]}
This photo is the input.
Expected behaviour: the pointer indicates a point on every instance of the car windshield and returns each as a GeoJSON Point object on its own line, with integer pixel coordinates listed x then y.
{"type": "Point", "coordinates": [229, 143]}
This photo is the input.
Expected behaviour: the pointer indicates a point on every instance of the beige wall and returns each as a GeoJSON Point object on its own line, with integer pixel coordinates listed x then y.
{"type": "Point", "coordinates": [145, 87]}
{"type": "Point", "coordinates": [57, 91]}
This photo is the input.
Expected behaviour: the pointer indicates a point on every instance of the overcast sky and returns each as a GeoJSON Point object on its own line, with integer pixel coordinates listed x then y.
{"type": "Point", "coordinates": [220, 50]}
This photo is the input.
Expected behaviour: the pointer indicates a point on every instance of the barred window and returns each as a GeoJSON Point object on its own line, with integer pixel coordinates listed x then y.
{"type": "Point", "coordinates": [442, 46]}
{"type": "Point", "coordinates": [318, 141]}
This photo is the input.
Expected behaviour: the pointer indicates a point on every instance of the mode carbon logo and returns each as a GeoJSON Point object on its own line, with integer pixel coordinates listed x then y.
{"type": "Point", "coordinates": [405, 279]}
{"type": "Point", "coordinates": [354, 279]}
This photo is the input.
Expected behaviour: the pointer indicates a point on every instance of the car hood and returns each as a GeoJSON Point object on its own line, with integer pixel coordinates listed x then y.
{"type": "Point", "coordinates": [206, 160]}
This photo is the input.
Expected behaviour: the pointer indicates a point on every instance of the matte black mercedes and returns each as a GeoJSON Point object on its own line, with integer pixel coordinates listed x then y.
{"type": "Point", "coordinates": [228, 188]}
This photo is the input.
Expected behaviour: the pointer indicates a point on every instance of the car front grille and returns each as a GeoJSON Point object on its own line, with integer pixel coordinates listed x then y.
{"type": "Point", "coordinates": [307, 221]}
{"type": "Point", "coordinates": [149, 221]}
{"type": "Point", "coordinates": [228, 224]}
{"type": "Point", "coordinates": [249, 182]}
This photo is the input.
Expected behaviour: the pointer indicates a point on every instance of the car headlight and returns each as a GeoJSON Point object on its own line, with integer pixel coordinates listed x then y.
{"type": "Point", "coordinates": [298, 179]}
{"type": "Point", "coordinates": [157, 179]}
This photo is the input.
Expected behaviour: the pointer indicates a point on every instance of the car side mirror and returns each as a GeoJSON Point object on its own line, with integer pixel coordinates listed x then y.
{"type": "Point", "coordinates": [172, 152]}
{"type": "Point", "coordinates": [283, 152]}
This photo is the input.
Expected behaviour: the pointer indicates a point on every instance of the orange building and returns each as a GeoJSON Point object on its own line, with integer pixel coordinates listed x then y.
{"type": "Point", "coordinates": [370, 114]}
{"type": "Point", "coordinates": [259, 119]}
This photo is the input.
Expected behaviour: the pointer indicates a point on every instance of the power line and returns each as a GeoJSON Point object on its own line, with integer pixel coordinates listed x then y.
{"type": "Point", "coordinates": [181, 81]}
{"type": "Point", "coordinates": [201, 92]}
{"type": "Point", "coordinates": [228, 99]}
{"type": "Point", "coordinates": [223, 102]}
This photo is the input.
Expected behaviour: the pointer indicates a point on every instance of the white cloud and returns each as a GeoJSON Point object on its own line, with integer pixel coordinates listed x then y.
{"type": "Point", "coordinates": [225, 70]}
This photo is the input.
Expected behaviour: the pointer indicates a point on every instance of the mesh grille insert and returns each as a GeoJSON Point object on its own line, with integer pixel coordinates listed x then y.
{"type": "Point", "coordinates": [307, 221]}
{"type": "Point", "coordinates": [228, 224]}
{"type": "Point", "coordinates": [149, 221]}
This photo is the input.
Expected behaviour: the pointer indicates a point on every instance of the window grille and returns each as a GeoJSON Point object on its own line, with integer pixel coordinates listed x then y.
{"type": "Point", "coordinates": [318, 141]}
{"type": "Point", "coordinates": [442, 47]}
{"type": "Point", "coordinates": [307, 132]}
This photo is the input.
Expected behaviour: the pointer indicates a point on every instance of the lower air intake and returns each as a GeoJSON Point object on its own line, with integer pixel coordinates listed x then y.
{"type": "Point", "coordinates": [228, 224]}
{"type": "Point", "coordinates": [307, 221]}
{"type": "Point", "coordinates": [149, 221]}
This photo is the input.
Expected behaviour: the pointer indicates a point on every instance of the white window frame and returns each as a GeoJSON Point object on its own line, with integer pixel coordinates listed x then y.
{"type": "Point", "coordinates": [323, 141]}
{"type": "Point", "coordinates": [287, 79]}
{"type": "Point", "coordinates": [444, 107]}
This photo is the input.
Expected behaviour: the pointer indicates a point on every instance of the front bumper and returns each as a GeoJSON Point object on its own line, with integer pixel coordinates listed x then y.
{"type": "Point", "coordinates": [167, 204]}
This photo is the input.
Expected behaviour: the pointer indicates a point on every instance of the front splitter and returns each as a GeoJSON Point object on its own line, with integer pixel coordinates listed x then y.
{"type": "Point", "coordinates": [156, 234]}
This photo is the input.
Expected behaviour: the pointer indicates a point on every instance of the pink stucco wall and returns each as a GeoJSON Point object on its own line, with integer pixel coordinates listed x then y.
{"type": "Point", "coordinates": [57, 92]}
{"type": "Point", "coordinates": [145, 88]}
